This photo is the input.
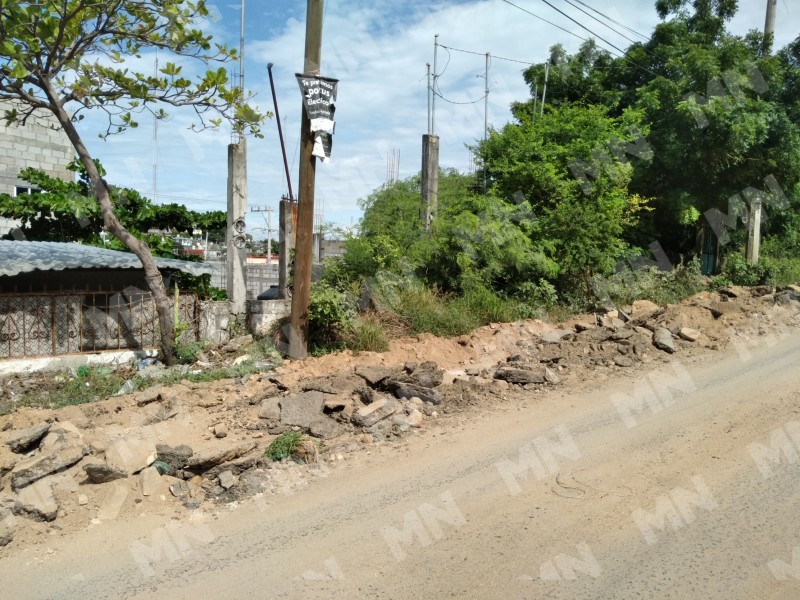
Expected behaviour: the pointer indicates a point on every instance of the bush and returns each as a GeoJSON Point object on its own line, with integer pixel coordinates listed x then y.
{"type": "Point", "coordinates": [661, 287]}
{"type": "Point", "coordinates": [330, 315]}
{"type": "Point", "coordinates": [367, 334]}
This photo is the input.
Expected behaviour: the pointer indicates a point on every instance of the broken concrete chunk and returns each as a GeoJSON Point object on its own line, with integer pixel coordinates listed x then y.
{"type": "Point", "coordinates": [226, 480]}
{"type": "Point", "coordinates": [689, 334]}
{"type": "Point", "coordinates": [326, 428]}
{"type": "Point", "coordinates": [408, 390]}
{"type": "Point", "coordinates": [382, 408]}
{"type": "Point", "coordinates": [203, 461]}
{"type": "Point", "coordinates": [23, 440]}
{"type": "Point", "coordinates": [150, 482]}
{"type": "Point", "coordinates": [662, 339]}
{"type": "Point", "coordinates": [7, 527]}
{"type": "Point", "coordinates": [30, 470]}
{"type": "Point", "coordinates": [301, 409]}
{"type": "Point", "coordinates": [99, 472]}
{"type": "Point", "coordinates": [373, 375]}
{"type": "Point", "coordinates": [130, 454]}
{"type": "Point", "coordinates": [174, 457]}
{"type": "Point", "coordinates": [555, 336]}
{"type": "Point", "coordinates": [520, 376]}
{"type": "Point", "coordinates": [270, 409]}
{"type": "Point", "coordinates": [37, 501]}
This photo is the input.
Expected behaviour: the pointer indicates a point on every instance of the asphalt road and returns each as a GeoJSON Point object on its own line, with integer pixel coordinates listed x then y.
{"type": "Point", "coordinates": [573, 495]}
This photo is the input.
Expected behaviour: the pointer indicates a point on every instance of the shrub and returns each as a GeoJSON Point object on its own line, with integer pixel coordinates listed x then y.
{"type": "Point", "coordinates": [293, 444]}
{"type": "Point", "coordinates": [367, 334]}
{"type": "Point", "coordinates": [661, 287]}
{"type": "Point", "coordinates": [330, 314]}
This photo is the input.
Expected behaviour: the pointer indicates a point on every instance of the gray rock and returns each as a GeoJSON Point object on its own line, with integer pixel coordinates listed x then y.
{"type": "Point", "coordinates": [520, 376]}
{"type": "Point", "coordinates": [583, 326]}
{"type": "Point", "coordinates": [382, 408]}
{"type": "Point", "coordinates": [622, 334]}
{"type": "Point", "coordinates": [226, 480]}
{"type": "Point", "coordinates": [8, 525]}
{"type": "Point", "coordinates": [179, 489]}
{"type": "Point", "coordinates": [427, 375]}
{"type": "Point", "coordinates": [270, 409]}
{"type": "Point", "coordinates": [623, 361]}
{"type": "Point", "coordinates": [37, 501]}
{"type": "Point", "coordinates": [175, 457]}
{"type": "Point", "coordinates": [206, 460]}
{"type": "Point", "coordinates": [301, 409]}
{"type": "Point", "coordinates": [100, 472]}
{"type": "Point", "coordinates": [551, 376]}
{"type": "Point", "coordinates": [252, 482]}
{"type": "Point", "coordinates": [326, 428]}
{"type": "Point", "coordinates": [30, 470]}
{"type": "Point", "coordinates": [23, 439]}
{"type": "Point", "coordinates": [150, 482]}
{"type": "Point", "coordinates": [689, 334]}
{"type": "Point", "coordinates": [553, 337]}
{"type": "Point", "coordinates": [373, 375]}
{"type": "Point", "coordinates": [409, 390]}
{"type": "Point", "coordinates": [7, 461]}
{"type": "Point", "coordinates": [662, 339]}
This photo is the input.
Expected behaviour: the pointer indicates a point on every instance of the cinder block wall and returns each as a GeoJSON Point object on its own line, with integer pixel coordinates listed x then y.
{"type": "Point", "coordinates": [40, 143]}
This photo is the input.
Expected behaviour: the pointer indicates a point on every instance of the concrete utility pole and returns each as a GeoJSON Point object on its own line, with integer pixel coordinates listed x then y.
{"type": "Point", "coordinates": [769, 24]}
{"type": "Point", "coordinates": [429, 177]}
{"type": "Point", "coordinates": [754, 222]}
{"type": "Point", "coordinates": [298, 326]}
{"type": "Point", "coordinates": [237, 243]}
{"type": "Point", "coordinates": [286, 244]}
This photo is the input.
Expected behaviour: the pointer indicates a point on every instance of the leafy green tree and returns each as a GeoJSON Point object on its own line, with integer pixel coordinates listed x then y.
{"type": "Point", "coordinates": [67, 57]}
{"type": "Point", "coordinates": [572, 167]}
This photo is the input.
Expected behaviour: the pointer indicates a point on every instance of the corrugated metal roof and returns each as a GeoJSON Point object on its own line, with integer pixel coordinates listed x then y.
{"type": "Point", "coordinates": [25, 257]}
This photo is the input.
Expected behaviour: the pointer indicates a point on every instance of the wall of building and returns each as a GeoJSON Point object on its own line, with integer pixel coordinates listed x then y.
{"type": "Point", "coordinates": [40, 144]}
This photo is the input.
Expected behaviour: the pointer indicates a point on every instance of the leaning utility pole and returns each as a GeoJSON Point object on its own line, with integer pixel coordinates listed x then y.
{"type": "Point", "coordinates": [298, 324]}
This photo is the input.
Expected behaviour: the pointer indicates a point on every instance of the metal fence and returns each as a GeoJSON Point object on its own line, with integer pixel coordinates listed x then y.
{"type": "Point", "coordinates": [52, 324]}
{"type": "Point", "coordinates": [259, 277]}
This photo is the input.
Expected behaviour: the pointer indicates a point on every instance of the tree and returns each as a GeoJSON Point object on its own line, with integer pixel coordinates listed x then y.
{"type": "Point", "coordinates": [67, 211]}
{"type": "Point", "coordinates": [68, 56]}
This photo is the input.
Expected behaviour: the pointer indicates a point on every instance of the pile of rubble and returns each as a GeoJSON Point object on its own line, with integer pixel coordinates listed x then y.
{"type": "Point", "coordinates": [205, 442]}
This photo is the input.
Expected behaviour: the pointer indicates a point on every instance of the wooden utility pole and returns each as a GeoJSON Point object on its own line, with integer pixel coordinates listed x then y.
{"type": "Point", "coordinates": [298, 324]}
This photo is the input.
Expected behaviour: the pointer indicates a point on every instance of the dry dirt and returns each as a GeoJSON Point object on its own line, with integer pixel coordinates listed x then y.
{"type": "Point", "coordinates": [229, 424]}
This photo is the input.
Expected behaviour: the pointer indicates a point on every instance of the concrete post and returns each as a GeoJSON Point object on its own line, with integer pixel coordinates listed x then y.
{"type": "Point", "coordinates": [429, 183]}
{"type": "Point", "coordinates": [754, 232]}
{"type": "Point", "coordinates": [237, 208]}
{"type": "Point", "coordinates": [286, 245]}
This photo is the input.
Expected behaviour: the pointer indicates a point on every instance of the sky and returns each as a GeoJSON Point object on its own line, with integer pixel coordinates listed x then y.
{"type": "Point", "coordinates": [378, 49]}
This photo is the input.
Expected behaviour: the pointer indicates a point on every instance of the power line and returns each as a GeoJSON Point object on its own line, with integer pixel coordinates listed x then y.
{"type": "Point", "coordinates": [633, 31]}
{"type": "Point", "coordinates": [514, 60]}
{"type": "Point", "coordinates": [599, 21]}
{"type": "Point", "coordinates": [620, 53]}
{"type": "Point", "coordinates": [545, 20]}
{"type": "Point", "coordinates": [582, 26]}
{"type": "Point", "coordinates": [454, 102]}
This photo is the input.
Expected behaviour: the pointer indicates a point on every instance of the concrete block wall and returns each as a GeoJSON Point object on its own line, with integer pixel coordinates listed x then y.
{"type": "Point", "coordinates": [39, 144]}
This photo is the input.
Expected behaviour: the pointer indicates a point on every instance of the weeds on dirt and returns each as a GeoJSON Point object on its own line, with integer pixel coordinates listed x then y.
{"type": "Point", "coordinates": [87, 384]}
{"type": "Point", "coordinates": [293, 444]}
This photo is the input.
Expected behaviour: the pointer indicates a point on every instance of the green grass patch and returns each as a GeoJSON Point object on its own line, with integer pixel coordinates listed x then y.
{"type": "Point", "coordinates": [293, 444]}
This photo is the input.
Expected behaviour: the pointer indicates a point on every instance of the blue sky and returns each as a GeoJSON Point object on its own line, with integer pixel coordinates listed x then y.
{"type": "Point", "coordinates": [378, 50]}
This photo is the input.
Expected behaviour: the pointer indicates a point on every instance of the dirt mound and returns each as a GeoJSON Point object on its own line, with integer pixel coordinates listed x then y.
{"type": "Point", "coordinates": [176, 448]}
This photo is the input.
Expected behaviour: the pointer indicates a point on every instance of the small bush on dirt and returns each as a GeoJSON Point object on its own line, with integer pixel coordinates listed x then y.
{"type": "Point", "coordinates": [367, 334]}
{"type": "Point", "coordinates": [330, 314]}
{"type": "Point", "coordinates": [293, 444]}
{"type": "Point", "coordinates": [661, 287]}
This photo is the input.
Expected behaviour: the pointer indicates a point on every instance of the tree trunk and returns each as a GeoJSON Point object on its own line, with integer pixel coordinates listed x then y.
{"type": "Point", "coordinates": [152, 275]}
